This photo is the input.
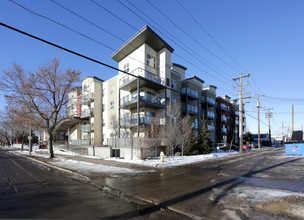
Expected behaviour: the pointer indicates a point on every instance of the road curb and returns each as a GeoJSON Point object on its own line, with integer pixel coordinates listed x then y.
{"type": "Point", "coordinates": [82, 177]}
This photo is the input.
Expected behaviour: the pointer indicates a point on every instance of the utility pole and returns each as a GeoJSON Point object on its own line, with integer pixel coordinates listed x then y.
{"type": "Point", "coordinates": [259, 130]}
{"type": "Point", "coordinates": [241, 107]}
{"type": "Point", "coordinates": [283, 131]}
{"type": "Point", "coordinates": [269, 115]}
{"type": "Point", "coordinates": [292, 119]}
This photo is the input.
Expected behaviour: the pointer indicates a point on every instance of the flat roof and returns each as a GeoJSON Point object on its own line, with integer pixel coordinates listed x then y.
{"type": "Point", "coordinates": [195, 77]}
{"type": "Point", "coordinates": [178, 65]}
{"type": "Point", "coordinates": [94, 77]}
{"type": "Point", "coordinates": [145, 35]}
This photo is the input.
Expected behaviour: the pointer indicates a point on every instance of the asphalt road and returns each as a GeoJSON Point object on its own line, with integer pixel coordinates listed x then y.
{"type": "Point", "coordinates": [265, 184]}
{"type": "Point", "coordinates": [224, 188]}
{"type": "Point", "coordinates": [31, 190]}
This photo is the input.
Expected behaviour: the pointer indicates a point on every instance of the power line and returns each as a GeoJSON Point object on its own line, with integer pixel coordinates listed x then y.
{"type": "Point", "coordinates": [205, 48]}
{"type": "Point", "coordinates": [78, 54]}
{"type": "Point", "coordinates": [256, 118]}
{"type": "Point", "coordinates": [213, 66]}
{"type": "Point", "coordinates": [211, 37]}
{"type": "Point", "coordinates": [181, 57]}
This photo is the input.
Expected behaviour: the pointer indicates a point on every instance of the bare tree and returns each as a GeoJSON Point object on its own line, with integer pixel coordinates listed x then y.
{"type": "Point", "coordinates": [186, 138]}
{"type": "Point", "coordinates": [5, 132]}
{"type": "Point", "coordinates": [42, 94]}
{"type": "Point", "coordinates": [172, 129]}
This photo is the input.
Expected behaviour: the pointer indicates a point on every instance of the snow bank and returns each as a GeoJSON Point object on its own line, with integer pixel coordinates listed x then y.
{"type": "Point", "coordinates": [177, 160]}
{"type": "Point", "coordinates": [86, 167]}
{"type": "Point", "coordinates": [257, 194]}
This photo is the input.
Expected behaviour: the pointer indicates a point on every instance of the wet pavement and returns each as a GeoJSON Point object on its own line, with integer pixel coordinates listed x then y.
{"type": "Point", "coordinates": [31, 190]}
{"type": "Point", "coordinates": [224, 188]}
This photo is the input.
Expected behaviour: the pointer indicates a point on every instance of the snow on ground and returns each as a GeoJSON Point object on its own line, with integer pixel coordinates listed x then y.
{"type": "Point", "coordinates": [100, 168]}
{"type": "Point", "coordinates": [177, 160]}
{"type": "Point", "coordinates": [85, 167]}
{"type": "Point", "coordinates": [257, 194]}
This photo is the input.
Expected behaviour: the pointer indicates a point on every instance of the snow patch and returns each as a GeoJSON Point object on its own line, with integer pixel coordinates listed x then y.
{"type": "Point", "coordinates": [257, 194]}
{"type": "Point", "coordinates": [176, 161]}
{"type": "Point", "coordinates": [86, 167]}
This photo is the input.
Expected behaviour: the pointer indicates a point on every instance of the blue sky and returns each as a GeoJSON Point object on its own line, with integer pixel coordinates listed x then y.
{"type": "Point", "coordinates": [265, 38]}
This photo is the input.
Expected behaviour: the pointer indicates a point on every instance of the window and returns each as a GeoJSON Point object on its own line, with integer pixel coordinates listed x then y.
{"type": "Point", "coordinates": [112, 88]}
{"type": "Point", "coordinates": [168, 82]}
{"type": "Point", "coordinates": [150, 61]}
{"type": "Point", "coordinates": [173, 100]}
{"type": "Point", "coordinates": [112, 105]}
{"type": "Point", "coordinates": [112, 121]}
{"type": "Point", "coordinates": [173, 83]}
{"type": "Point", "coordinates": [126, 134]}
{"type": "Point", "coordinates": [126, 67]}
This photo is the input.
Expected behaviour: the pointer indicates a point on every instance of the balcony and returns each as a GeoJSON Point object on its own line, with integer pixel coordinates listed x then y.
{"type": "Point", "coordinates": [86, 99]}
{"type": "Point", "coordinates": [211, 128]}
{"type": "Point", "coordinates": [189, 109]}
{"type": "Point", "coordinates": [146, 100]}
{"type": "Point", "coordinates": [147, 79]}
{"type": "Point", "coordinates": [210, 114]}
{"type": "Point", "coordinates": [190, 92]}
{"type": "Point", "coordinates": [86, 113]}
{"type": "Point", "coordinates": [223, 107]}
{"type": "Point", "coordinates": [143, 120]}
{"type": "Point", "coordinates": [224, 119]}
{"type": "Point", "coordinates": [85, 128]}
{"type": "Point", "coordinates": [210, 101]}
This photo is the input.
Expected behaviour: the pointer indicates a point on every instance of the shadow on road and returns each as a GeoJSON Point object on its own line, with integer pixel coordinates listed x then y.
{"type": "Point", "coordinates": [234, 181]}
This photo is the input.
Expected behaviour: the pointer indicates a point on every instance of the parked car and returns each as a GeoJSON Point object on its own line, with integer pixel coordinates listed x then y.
{"type": "Point", "coordinates": [222, 146]}
{"type": "Point", "coordinates": [253, 145]}
{"type": "Point", "coordinates": [237, 147]}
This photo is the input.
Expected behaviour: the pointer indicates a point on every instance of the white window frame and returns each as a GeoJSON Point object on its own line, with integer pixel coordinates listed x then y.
{"type": "Point", "coordinates": [126, 67]}
{"type": "Point", "coordinates": [111, 105]}
{"type": "Point", "coordinates": [173, 83]}
{"type": "Point", "coordinates": [150, 61]}
{"type": "Point", "coordinates": [112, 89]}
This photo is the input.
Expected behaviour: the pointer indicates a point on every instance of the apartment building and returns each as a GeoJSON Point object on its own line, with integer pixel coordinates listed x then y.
{"type": "Point", "coordinates": [223, 119]}
{"type": "Point", "coordinates": [125, 105]}
{"type": "Point", "coordinates": [209, 108]}
{"type": "Point", "coordinates": [143, 94]}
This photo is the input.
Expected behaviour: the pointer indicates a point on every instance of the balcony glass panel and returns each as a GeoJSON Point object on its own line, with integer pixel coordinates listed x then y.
{"type": "Point", "coordinates": [210, 114]}
{"type": "Point", "coordinates": [87, 97]}
{"type": "Point", "coordinates": [143, 73]}
{"type": "Point", "coordinates": [189, 91]}
{"type": "Point", "coordinates": [85, 128]}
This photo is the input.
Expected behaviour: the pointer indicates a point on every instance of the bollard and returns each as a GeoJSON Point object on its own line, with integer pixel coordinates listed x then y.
{"type": "Point", "coordinates": [162, 156]}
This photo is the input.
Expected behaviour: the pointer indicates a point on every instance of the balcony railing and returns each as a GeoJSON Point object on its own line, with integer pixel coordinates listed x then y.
{"type": "Point", "coordinates": [143, 73]}
{"type": "Point", "coordinates": [85, 128]}
{"type": "Point", "coordinates": [211, 100]}
{"type": "Point", "coordinates": [132, 120]}
{"type": "Point", "coordinates": [86, 113]}
{"type": "Point", "coordinates": [87, 98]}
{"type": "Point", "coordinates": [224, 119]}
{"type": "Point", "coordinates": [211, 127]}
{"type": "Point", "coordinates": [190, 92]}
{"type": "Point", "coordinates": [224, 107]}
{"type": "Point", "coordinates": [144, 96]}
{"type": "Point", "coordinates": [210, 114]}
{"type": "Point", "coordinates": [190, 109]}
